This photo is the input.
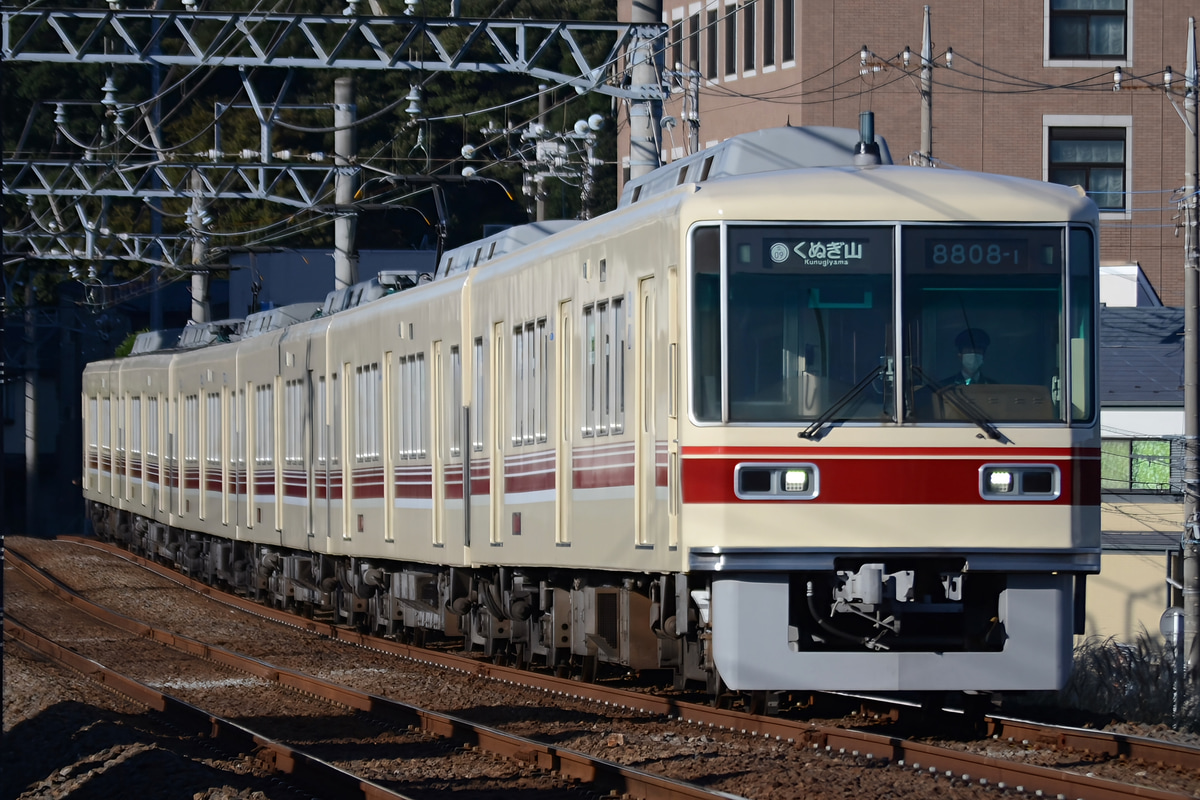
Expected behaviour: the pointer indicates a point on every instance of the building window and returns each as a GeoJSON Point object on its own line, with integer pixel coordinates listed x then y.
{"type": "Point", "coordinates": [1135, 465]}
{"type": "Point", "coordinates": [789, 30]}
{"type": "Point", "coordinates": [693, 53]}
{"type": "Point", "coordinates": [1087, 29]}
{"type": "Point", "coordinates": [749, 30]}
{"type": "Point", "coordinates": [677, 43]}
{"type": "Point", "coordinates": [768, 40]}
{"type": "Point", "coordinates": [710, 58]}
{"type": "Point", "coordinates": [1093, 158]}
{"type": "Point", "coordinates": [730, 40]}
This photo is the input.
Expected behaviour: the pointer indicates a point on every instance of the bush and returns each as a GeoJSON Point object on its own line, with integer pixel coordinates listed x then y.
{"type": "Point", "coordinates": [1135, 682]}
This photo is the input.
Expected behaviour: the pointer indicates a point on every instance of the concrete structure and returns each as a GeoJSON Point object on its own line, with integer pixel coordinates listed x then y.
{"type": "Point", "coordinates": [995, 105]}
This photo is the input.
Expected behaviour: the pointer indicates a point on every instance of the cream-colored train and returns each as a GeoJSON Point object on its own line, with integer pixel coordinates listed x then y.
{"type": "Point", "coordinates": [737, 428]}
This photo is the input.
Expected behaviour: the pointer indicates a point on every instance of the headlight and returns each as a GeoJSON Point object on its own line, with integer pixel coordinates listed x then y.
{"type": "Point", "coordinates": [796, 480]}
{"type": "Point", "coordinates": [1020, 482]}
{"type": "Point", "coordinates": [999, 481]}
{"type": "Point", "coordinates": [766, 481]}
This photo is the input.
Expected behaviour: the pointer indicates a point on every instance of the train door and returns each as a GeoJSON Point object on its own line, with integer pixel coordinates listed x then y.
{"type": "Point", "coordinates": [646, 440]}
{"type": "Point", "coordinates": [672, 407]}
{"type": "Point", "coordinates": [237, 457]}
{"type": "Point", "coordinates": [389, 400]}
{"type": "Point", "coordinates": [344, 451]}
{"type": "Point", "coordinates": [251, 437]}
{"type": "Point", "coordinates": [498, 394]}
{"type": "Point", "coordinates": [437, 462]}
{"type": "Point", "coordinates": [564, 461]}
{"type": "Point", "coordinates": [314, 433]}
{"type": "Point", "coordinates": [226, 451]}
{"type": "Point", "coordinates": [478, 415]}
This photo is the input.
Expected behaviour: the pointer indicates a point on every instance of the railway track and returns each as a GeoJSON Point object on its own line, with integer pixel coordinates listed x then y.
{"type": "Point", "coordinates": [350, 718]}
{"type": "Point", "coordinates": [999, 762]}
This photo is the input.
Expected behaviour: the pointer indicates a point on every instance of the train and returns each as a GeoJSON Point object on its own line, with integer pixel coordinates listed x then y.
{"type": "Point", "coordinates": [791, 417]}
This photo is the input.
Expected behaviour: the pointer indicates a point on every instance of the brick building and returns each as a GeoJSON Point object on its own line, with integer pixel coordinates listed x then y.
{"type": "Point", "coordinates": [1029, 91]}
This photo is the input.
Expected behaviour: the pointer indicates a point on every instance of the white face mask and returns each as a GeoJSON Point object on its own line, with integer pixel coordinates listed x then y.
{"type": "Point", "coordinates": [971, 362]}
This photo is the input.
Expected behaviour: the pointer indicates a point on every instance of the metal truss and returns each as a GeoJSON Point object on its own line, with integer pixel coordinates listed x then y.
{"type": "Point", "coordinates": [298, 185]}
{"type": "Point", "coordinates": [195, 39]}
{"type": "Point", "coordinates": [89, 247]}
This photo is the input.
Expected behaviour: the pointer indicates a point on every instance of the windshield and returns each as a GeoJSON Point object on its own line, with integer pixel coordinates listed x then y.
{"type": "Point", "coordinates": [809, 311]}
{"type": "Point", "coordinates": [797, 324]}
{"type": "Point", "coordinates": [982, 310]}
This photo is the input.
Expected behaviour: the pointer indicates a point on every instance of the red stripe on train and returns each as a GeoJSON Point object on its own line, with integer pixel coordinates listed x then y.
{"type": "Point", "coordinates": [889, 482]}
{"type": "Point", "coordinates": [810, 452]}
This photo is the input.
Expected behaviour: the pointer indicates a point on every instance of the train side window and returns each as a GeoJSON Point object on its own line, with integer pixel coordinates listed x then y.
{"type": "Point", "coordinates": [120, 433]}
{"type": "Point", "coordinates": [422, 403]}
{"type": "Point", "coordinates": [480, 396]}
{"type": "Point", "coordinates": [335, 423]}
{"type": "Point", "coordinates": [368, 412]}
{"type": "Point", "coordinates": [542, 343]}
{"type": "Point", "coordinates": [264, 425]}
{"type": "Point", "coordinates": [293, 424]}
{"type": "Point", "coordinates": [191, 437]}
{"type": "Point", "coordinates": [93, 426]}
{"type": "Point", "coordinates": [105, 437]}
{"type": "Point", "coordinates": [135, 427]}
{"type": "Point", "coordinates": [617, 423]}
{"type": "Point", "coordinates": [151, 428]}
{"type": "Point", "coordinates": [519, 387]}
{"type": "Point", "coordinates": [212, 431]}
{"type": "Point", "coordinates": [455, 403]}
{"type": "Point", "coordinates": [321, 423]}
{"type": "Point", "coordinates": [706, 324]}
{"type": "Point", "coordinates": [412, 400]}
{"type": "Point", "coordinates": [603, 403]}
{"type": "Point", "coordinates": [1081, 293]}
{"type": "Point", "coordinates": [589, 370]}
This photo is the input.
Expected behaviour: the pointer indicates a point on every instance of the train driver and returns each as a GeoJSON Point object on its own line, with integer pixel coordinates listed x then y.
{"type": "Point", "coordinates": [971, 344]}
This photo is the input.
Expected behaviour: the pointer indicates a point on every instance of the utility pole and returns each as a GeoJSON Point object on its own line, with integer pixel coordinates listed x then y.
{"type": "Point", "coordinates": [645, 115]}
{"type": "Point", "coordinates": [200, 305]}
{"type": "Point", "coordinates": [1191, 370]}
{"type": "Point", "coordinates": [539, 198]}
{"type": "Point", "coordinates": [345, 156]}
{"type": "Point", "coordinates": [926, 93]}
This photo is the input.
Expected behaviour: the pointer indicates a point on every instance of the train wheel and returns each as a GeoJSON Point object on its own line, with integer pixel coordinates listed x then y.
{"type": "Point", "coordinates": [718, 691]}
{"type": "Point", "coordinates": [587, 672]}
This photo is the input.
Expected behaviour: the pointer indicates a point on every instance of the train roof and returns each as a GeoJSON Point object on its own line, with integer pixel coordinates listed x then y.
{"type": "Point", "coordinates": [273, 319]}
{"type": "Point", "coordinates": [385, 283]}
{"type": "Point", "coordinates": [889, 193]}
{"type": "Point", "coordinates": [767, 150]}
{"type": "Point", "coordinates": [205, 333]}
{"type": "Point", "coordinates": [152, 341]}
{"type": "Point", "coordinates": [499, 244]}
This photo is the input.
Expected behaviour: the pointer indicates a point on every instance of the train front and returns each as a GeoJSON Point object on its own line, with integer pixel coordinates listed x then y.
{"type": "Point", "coordinates": [889, 465]}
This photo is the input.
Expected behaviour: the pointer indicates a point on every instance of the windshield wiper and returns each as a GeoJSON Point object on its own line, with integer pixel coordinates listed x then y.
{"type": "Point", "coordinates": [812, 430]}
{"type": "Point", "coordinates": [963, 404]}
